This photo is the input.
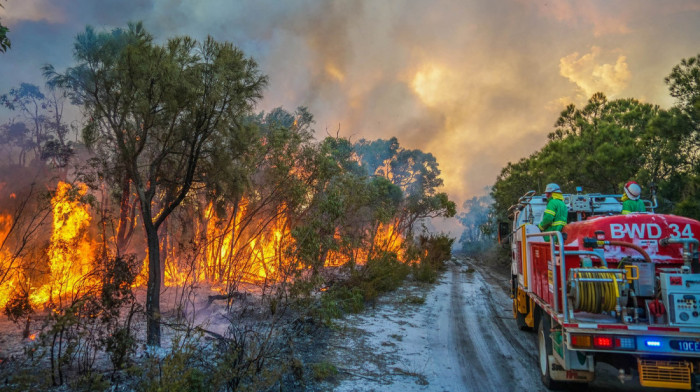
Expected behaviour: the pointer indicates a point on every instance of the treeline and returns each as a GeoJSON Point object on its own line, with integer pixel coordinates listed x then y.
{"type": "Point", "coordinates": [606, 143]}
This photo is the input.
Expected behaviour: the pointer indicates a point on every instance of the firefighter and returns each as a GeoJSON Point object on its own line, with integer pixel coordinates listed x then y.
{"type": "Point", "coordinates": [630, 199]}
{"type": "Point", "coordinates": [554, 217]}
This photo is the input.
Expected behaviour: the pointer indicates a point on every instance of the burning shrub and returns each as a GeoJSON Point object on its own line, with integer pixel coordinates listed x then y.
{"type": "Point", "coordinates": [434, 250]}
{"type": "Point", "coordinates": [18, 306]}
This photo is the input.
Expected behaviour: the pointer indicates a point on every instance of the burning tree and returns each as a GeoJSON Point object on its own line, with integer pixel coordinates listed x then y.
{"type": "Point", "coordinates": [159, 112]}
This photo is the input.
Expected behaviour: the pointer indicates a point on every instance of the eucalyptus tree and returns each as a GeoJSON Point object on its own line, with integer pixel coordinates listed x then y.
{"type": "Point", "coordinates": [681, 128]}
{"type": "Point", "coordinates": [156, 112]}
{"type": "Point", "coordinates": [38, 131]}
{"type": "Point", "coordinates": [415, 172]}
{"type": "Point", "coordinates": [599, 147]}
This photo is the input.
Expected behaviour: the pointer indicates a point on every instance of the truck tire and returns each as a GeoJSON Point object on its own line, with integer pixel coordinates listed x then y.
{"type": "Point", "coordinates": [544, 346]}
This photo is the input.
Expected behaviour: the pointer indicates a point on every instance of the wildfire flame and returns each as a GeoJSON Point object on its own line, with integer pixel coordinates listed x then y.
{"type": "Point", "coordinates": [6, 261]}
{"type": "Point", "coordinates": [71, 251]}
{"type": "Point", "coordinates": [234, 248]}
{"type": "Point", "coordinates": [386, 238]}
{"type": "Point", "coordinates": [238, 244]}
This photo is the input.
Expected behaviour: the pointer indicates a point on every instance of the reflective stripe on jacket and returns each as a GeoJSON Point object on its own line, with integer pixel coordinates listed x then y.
{"type": "Point", "coordinates": [554, 217]}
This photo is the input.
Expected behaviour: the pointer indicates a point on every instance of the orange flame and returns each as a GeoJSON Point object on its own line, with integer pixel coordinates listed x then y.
{"type": "Point", "coordinates": [235, 248]}
{"type": "Point", "coordinates": [8, 286]}
{"type": "Point", "coordinates": [386, 239]}
{"type": "Point", "coordinates": [242, 243]}
{"type": "Point", "coordinates": [70, 251]}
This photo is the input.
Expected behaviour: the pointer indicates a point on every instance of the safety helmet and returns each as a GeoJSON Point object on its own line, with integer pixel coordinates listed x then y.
{"type": "Point", "coordinates": [552, 187]}
{"type": "Point", "coordinates": [633, 190]}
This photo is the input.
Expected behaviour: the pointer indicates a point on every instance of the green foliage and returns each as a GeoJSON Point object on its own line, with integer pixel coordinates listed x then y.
{"type": "Point", "coordinates": [4, 40]}
{"type": "Point", "coordinates": [607, 143]}
{"type": "Point", "coordinates": [323, 370]}
{"type": "Point", "coordinates": [338, 301]}
{"type": "Point", "coordinates": [90, 381]}
{"type": "Point", "coordinates": [424, 272]}
{"type": "Point", "coordinates": [415, 172]}
{"type": "Point", "coordinates": [381, 274]}
{"type": "Point", "coordinates": [177, 371]}
{"type": "Point", "coordinates": [434, 251]}
{"type": "Point", "coordinates": [92, 321]}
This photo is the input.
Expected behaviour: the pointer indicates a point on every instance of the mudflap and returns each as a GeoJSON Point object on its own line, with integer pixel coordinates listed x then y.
{"type": "Point", "coordinates": [558, 373]}
{"type": "Point", "coordinates": [523, 309]}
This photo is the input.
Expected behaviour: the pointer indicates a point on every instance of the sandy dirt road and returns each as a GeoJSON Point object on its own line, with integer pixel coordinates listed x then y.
{"type": "Point", "coordinates": [462, 338]}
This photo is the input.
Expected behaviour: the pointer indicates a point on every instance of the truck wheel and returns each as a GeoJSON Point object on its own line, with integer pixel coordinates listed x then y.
{"type": "Point", "coordinates": [544, 345]}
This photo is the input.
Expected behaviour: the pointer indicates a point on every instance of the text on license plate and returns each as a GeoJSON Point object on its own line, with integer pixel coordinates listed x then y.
{"type": "Point", "coordinates": [685, 345]}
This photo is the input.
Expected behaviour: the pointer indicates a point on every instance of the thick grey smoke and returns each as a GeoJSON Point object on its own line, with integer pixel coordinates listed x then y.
{"type": "Point", "coordinates": [476, 83]}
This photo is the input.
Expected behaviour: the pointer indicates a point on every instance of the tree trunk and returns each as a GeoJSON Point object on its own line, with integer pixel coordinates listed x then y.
{"type": "Point", "coordinates": [124, 221]}
{"type": "Point", "coordinates": [153, 289]}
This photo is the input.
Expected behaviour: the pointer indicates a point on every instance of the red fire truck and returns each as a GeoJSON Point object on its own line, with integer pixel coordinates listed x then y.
{"type": "Point", "coordinates": [619, 289]}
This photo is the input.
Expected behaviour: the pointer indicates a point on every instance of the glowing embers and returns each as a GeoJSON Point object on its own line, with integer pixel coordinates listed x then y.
{"type": "Point", "coordinates": [70, 251]}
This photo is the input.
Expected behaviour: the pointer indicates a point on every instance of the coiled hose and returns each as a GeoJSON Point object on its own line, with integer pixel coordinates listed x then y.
{"type": "Point", "coordinates": [596, 297]}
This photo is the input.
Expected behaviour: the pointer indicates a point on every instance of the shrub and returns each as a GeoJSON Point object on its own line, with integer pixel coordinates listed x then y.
{"type": "Point", "coordinates": [177, 370]}
{"type": "Point", "coordinates": [323, 370]}
{"type": "Point", "coordinates": [340, 300]}
{"type": "Point", "coordinates": [381, 274]}
{"type": "Point", "coordinates": [434, 251]}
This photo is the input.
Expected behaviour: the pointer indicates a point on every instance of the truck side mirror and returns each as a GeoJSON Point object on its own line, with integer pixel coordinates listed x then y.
{"type": "Point", "coordinates": [504, 232]}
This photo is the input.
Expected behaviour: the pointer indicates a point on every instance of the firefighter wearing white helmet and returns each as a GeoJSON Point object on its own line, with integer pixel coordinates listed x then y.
{"type": "Point", "coordinates": [554, 217]}
{"type": "Point", "coordinates": [630, 199]}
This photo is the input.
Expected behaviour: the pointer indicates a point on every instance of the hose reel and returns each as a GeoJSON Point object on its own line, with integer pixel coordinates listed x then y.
{"type": "Point", "coordinates": [597, 290]}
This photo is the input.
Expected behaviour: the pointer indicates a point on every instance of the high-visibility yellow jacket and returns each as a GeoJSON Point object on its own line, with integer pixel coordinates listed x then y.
{"type": "Point", "coordinates": [629, 206]}
{"type": "Point", "coordinates": [554, 217]}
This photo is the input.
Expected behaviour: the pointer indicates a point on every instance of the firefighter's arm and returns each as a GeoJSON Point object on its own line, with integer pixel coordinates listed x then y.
{"type": "Point", "coordinates": [547, 219]}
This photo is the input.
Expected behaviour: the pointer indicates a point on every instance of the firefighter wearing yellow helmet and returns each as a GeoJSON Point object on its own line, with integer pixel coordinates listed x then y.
{"type": "Point", "coordinates": [630, 199]}
{"type": "Point", "coordinates": [554, 217]}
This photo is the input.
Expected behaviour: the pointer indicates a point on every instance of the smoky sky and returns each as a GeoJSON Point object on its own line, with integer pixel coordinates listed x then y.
{"type": "Point", "coordinates": [476, 83]}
